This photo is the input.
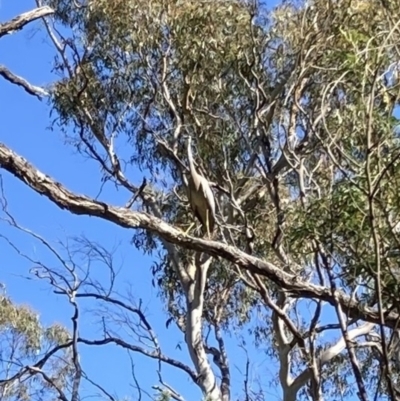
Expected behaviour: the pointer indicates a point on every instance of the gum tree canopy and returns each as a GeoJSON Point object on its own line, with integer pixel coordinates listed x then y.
{"type": "Point", "coordinates": [292, 115]}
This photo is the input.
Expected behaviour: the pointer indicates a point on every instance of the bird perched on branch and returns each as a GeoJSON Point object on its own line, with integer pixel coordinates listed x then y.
{"type": "Point", "coordinates": [201, 197]}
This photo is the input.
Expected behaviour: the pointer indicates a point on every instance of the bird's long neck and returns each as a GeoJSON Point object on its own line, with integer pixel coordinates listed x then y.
{"type": "Point", "coordinates": [190, 158]}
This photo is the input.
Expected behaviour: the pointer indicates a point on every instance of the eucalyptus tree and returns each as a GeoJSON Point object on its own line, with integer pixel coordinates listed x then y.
{"type": "Point", "coordinates": [35, 360]}
{"type": "Point", "coordinates": [292, 111]}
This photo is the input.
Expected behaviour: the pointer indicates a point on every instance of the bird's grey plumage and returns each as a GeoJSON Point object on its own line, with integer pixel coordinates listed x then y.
{"type": "Point", "coordinates": [200, 195]}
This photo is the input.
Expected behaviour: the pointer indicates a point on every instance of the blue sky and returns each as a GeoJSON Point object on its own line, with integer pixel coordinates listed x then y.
{"type": "Point", "coordinates": [25, 123]}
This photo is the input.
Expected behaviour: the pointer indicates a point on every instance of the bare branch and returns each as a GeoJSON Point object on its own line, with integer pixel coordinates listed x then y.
{"type": "Point", "coordinates": [17, 80]}
{"type": "Point", "coordinates": [37, 366]}
{"type": "Point", "coordinates": [50, 381]}
{"type": "Point", "coordinates": [152, 354]}
{"type": "Point", "coordinates": [129, 308]}
{"type": "Point", "coordinates": [21, 20]}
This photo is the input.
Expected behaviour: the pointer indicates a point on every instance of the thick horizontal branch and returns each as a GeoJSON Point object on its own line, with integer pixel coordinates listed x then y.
{"type": "Point", "coordinates": [15, 79]}
{"type": "Point", "coordinates": [83, 205]}
{"type": "Point", "coordinates": [23, 19]}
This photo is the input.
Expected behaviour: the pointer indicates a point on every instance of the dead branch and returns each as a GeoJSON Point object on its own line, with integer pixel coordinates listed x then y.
{"type": "Point", "coordinates": [152, 354]}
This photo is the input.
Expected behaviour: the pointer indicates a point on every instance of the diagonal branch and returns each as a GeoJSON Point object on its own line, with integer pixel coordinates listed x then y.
{"type": "Point", "coordinates": [83, 205]}
{"type": "Point", "coordinates": [36, 367]}
{"type": "Point", "coordinates": [17, 80]}
{"type": "Point", "coordinates": [152, 354]}
{"type": "Point", "coordinates": [23, 19]}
